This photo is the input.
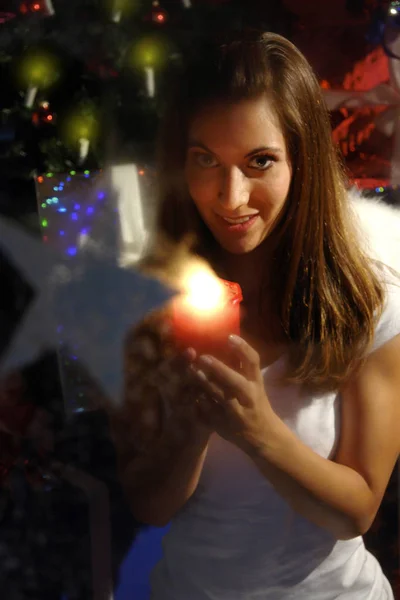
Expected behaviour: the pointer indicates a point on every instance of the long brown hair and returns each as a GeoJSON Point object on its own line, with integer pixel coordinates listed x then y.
{"type": "Point", "coordinates": [326, 292]}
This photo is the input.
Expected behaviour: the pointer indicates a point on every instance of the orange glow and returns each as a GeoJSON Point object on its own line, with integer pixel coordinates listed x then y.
{"type": "Point", "coordinates": [203, 290]}
{"type": "Point", "coordinates": [40, 179]}
{"type": "Point", "coordinates": [49, 117]}
{"type": "Point", "coordinates": [36, 6]}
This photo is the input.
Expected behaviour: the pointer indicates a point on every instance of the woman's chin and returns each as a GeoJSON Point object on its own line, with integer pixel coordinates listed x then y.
{"type": "Point", "coordinates": [238, 247]}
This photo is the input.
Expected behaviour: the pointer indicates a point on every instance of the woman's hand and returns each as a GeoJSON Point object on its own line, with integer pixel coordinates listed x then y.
{"type": "Point", "coordinates": [159, 402]}
{"type": "Point", "coordinates": [239, 410]}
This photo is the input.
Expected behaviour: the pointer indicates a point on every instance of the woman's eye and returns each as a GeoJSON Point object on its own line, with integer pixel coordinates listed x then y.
{"type": "Point", "coordinates": [205, 160]}
{"type": "Point", "coordinates": [261, 162]}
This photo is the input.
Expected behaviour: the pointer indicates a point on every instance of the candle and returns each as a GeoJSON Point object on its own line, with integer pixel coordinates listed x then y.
{"type": "Point", "coordinates": [206, 314]}
{"type": "Point", "coordinates": [30, 96]}
{"type": "Point", "coordinates": [150, 81]}
{"type": "Point", "coordinates": [84, 145]}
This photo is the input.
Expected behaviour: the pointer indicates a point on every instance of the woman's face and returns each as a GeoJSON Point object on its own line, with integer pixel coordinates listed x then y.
{"type": "Point", "coordinates": [238, 171]}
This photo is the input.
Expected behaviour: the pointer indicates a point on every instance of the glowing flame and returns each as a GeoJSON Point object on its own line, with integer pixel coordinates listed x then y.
{"type": "Point", "coordinates": [203, 290]}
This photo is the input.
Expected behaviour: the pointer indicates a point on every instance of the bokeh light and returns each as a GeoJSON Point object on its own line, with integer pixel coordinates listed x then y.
{"type": "Point", "coordinates": [149, 52]}
{"type": "Point", "coordinates": [80, 125]}
{"type": "Point", "coordinates": [38, 69]}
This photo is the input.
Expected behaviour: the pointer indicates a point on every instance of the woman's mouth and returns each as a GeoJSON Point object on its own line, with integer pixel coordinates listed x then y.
{"type": "Point", "coordinates": [240, 224]}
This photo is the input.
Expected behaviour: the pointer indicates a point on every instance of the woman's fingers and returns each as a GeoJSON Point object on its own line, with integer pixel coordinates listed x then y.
{"type": "Point", "coordinates": [248, 357]}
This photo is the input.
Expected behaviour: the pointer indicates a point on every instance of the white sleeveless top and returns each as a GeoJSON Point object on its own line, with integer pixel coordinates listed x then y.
{"type": "Point", "coordinates": [238, 539]}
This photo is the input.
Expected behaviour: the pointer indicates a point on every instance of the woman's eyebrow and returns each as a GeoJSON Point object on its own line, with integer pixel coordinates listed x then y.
{"type": "Point", "coordinates": [274, 149]}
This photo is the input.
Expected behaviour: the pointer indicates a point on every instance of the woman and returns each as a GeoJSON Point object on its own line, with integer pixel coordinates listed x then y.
{"type": "Point", "coordinates": [286, 461]}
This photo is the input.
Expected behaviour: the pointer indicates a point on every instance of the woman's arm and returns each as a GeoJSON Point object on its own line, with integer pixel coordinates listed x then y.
{"type": "Point", "coordinates": [332, 496]}
{"type": "Point", "coordinates": [343, 495]}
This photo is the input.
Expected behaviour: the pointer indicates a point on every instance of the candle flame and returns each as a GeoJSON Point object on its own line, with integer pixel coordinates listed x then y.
{"type": "Point", "coordinates": [202, 288]}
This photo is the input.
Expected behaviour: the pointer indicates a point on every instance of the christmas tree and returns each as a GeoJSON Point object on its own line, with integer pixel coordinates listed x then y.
{"type": "Point", "coordinates": [83, 80]}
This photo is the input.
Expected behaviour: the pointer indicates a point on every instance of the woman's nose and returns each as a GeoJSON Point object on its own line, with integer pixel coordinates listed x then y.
{"type": "Point", "coordinates": [234, 190]}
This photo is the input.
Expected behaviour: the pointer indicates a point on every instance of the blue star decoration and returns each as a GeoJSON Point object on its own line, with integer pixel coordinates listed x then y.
{"type": "Point", "coordinates": [92, 300]}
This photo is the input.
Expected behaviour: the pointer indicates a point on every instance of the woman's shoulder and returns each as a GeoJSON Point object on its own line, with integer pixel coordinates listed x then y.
{"type": "Point", "coordinates": [378, 227]}
{"type": "Point", "coordinates": [379, 234]}
{"type": "Point", "coordinates": [388, 325]}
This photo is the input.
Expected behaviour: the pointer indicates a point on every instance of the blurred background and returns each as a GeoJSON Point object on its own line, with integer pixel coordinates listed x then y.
{"type": "Point", "coordinates": [82, 84]}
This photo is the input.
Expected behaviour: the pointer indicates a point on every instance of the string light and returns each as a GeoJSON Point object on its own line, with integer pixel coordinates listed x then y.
{"type": "Point", "coordinates": [158, 14]}
{"type": "Point", "coordinates": [78, 213]}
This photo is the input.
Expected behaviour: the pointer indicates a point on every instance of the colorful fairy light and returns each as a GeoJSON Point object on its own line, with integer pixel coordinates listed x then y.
{"type": "Point", "coordinates": [70, 235]}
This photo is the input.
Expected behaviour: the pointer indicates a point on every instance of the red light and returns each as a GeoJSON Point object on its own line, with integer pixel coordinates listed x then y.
{"type": "Point", "coordinates": [23, 9]}
{"type": "Point", "coordinates": [160, 18]}
{"type": "Point", "coordinates": [36, 6]}
{"type": "Point", "coordinates": [40, 179]}
{"type": "Point", "coordinates": [49, 118]}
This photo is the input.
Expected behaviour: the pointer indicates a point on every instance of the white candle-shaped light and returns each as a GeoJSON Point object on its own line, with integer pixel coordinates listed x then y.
{"type": "Point", "coordinates": [37, 71]}
{"type": "Point", "coordinates": [80, 129]}
{"type": "Point", "coordinates": [84, 145]}
{"type": "Point", "coordinates": [150, 81]}
{"type": "Point", "coordinates": [148, 55]}
{"type": "Point", "coordinates": [30, 95]}
{"type": "Point", "coordinates": [49, 7]}
{"type": "Point", "coordinates": [119, 8]}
